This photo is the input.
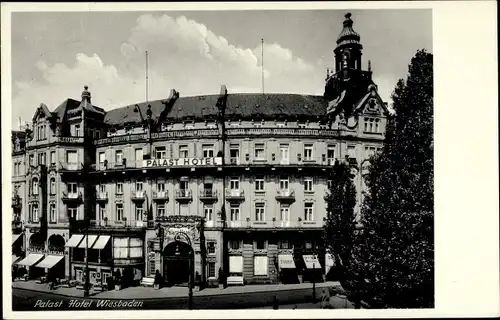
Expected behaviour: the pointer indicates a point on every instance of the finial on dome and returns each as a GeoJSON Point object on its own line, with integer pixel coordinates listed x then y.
{"type": "Point", "coordinates": [348, 15]}
{"type": "Point", "coordinates": [369, 65]}
{"type": "Point", "coordinates": [86, 93]}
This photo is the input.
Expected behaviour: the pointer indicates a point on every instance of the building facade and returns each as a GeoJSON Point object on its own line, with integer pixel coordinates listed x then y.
{"type": "Point", "coordinates": [227, 186]}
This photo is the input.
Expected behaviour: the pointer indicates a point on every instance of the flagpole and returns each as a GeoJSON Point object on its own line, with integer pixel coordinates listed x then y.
{"type": "Point", "coordinates": [262, 64]}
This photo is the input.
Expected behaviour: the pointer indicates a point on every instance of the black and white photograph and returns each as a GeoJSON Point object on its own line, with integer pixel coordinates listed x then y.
{"type": "Point", "coordinates": [224, 159]}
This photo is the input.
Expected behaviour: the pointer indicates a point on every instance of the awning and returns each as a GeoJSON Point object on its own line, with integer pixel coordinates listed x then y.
{"type": "Point", "coordinates": [235, 264]}
{"type": "Point", "coordinates": [15, 259]}
{"type": "Point", "coordinates": [92, 239]}
{"type": "Point", "coordinates": [15, 237]}
{"type": "Point", "coordinates": [312, 262]}
{"type": "Point", "coordinates": [101, 242]}
{"type": "Point", "coordinates": [74, 241]}
{"type": "Point", "coordinates": [285, 261]}
{"type": "Point", "coordinates": [49, 261]}
{"type": "Point", "coordinates": [31, 259]}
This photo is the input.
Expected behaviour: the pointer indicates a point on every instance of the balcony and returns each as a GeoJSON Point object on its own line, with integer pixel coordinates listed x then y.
{"type": "Point", "coordinates": [70, 167]}
{"type": "Point", "coordinates": [274, 224]}
{"type": "Point", "coordinates": [208, 195]}
{"type": "Point", "coordinates": [116, 224]}
{"type": "Point", "coordinates": [138, 195]}
{"type": "Point", "coordinates": [17, 225]}
{"type": "Point", "coordinates": [72, 197]}
{"type": "Point", "coordinates": [285, 195]}
{"type": "Point", "coordinates": [102, 196]}
{"type": "Point", "coordinates": [183, 195]}
{"type": "Point", "coordinates": [234, 161]}
{"type": "Point", "coordinates": [160, 196]}
{"type": "Point", "coordinates": [235, 195]}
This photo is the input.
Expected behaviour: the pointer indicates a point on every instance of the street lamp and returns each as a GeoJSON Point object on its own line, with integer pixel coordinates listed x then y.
{"type": "Point", "coordinates": [178, 238]}
{"type": "Point", "coordinates": [87, 278]}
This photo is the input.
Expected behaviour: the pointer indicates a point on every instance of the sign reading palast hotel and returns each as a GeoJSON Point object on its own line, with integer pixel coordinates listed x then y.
{"type": "Point", "coordinates": [182, 162]}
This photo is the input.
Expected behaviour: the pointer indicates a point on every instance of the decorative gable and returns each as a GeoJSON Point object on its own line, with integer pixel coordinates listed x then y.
{"type": "Point", "coordinates": [372, 104]}
{"type": "Point", "coordinates": [42, 112]}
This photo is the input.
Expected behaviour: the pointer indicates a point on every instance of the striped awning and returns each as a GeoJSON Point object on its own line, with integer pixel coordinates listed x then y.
{"type": "Point", "coordinates": [92, 239]}
{"type": "Point", "coordinates": [31, 259]}
{"type": "Point", "coordinates": [101, 242]}
{"type": "Point", "coordinates": [49, 261]}
{"type": "Point", "coordinates": [74, 241]}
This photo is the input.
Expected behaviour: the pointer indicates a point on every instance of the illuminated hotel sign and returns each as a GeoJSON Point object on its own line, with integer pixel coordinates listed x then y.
{"type": "Point", "coordinates": [183, 162]}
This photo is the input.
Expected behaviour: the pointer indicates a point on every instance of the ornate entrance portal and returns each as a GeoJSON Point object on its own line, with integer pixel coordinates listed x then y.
{"type": "Point", "coordinates": [176, 263]}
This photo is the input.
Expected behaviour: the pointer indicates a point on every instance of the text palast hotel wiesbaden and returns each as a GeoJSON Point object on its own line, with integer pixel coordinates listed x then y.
{"type": "Point", "coordinates": [237, 180]}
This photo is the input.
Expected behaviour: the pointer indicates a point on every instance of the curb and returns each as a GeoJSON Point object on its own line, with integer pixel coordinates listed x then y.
{"type": "Point", "coordinates": [156, 298]}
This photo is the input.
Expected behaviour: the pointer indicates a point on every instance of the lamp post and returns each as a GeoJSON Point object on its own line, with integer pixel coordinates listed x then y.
{"type": "Point", "coordinates": [178, 238]}
{"type": "Point", "coordinates": [87, 278]}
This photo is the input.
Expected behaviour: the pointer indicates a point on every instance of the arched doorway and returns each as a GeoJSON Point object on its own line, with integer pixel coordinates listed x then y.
{"type": "Point", "coordinates": [176, 264]}
{"type": "Point", "coordinates": [36, 244]}
{"type": "Point", "coordinates": [56, 244]}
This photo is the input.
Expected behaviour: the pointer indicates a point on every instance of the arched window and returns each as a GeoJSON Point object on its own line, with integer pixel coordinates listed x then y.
{"type": "Point", "coordinates": [34, 186]}
{"type": "Point", "coordinates": [52, 186]}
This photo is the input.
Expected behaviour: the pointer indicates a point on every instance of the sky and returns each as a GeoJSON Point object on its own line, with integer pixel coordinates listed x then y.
{"type": "Point", "coordinates": [54, 54]}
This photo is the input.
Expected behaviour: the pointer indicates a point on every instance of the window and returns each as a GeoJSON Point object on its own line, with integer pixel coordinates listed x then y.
{"type": "Point", "coordinates": [120, 247]}
{"type": "Point", "coordinates": [52, 211]}
{"type": "Point", "coordinates": [260, 266]}
{"type": "Point", "coordinates": [102, 188]}
{"type": "Point", "coordinates": [52, 186]}
{"type": "Point", "coordinates": [160, 210]}
{"type": "Point", "coordinates": [118, 157]}
{"type": "Point", "coordinates": [102, 157]}
{"type": "Point", "coordinates": [308, 245]}
{"type": "Point", "coordinates": [77, 130]}
{"type": "Point", "coordinates": [234, 154]}
{"type": "Point", "coordinates": [208, 151]}
{"type": "Point", "coordinates": [211, 247]}
{"type": "Point", "coordinates": [139, 153]}
{"type": "Point", "coordinates": [285, 212]}
{"type": "Point", "coordinates": [183, 184]}
{"type": "Point", "coordinates": [260, 211]}
{"type": "Point", "coordinates": [308, 184]}
{"type": "Point", "coordinates": [138, 186]}
{"type": "Point", "coordinates": [351, 151]}
{"type": "Point", "coordinates": [160, 187]}
{"type": "Point", "coordinates": [329, 184]}
{"type": "Point", "coordinates": [119, 188]}
{"type": "Point", "coordinates": [34, 186]}
{"type": "Point", "coordinates": [259, 151]}
{"type": "Point", "coordinates": [183, 152]}
{"type": "Point", "coordinates": [211, 269]}
{"type": "Point", "coordinates": [284, 184]}
{"type": "Point", "coordinates": [208, 210]}
{"type": "Point", "coordinates": [139, 212]}
{"type": "Point", "coordinates": [376, 126]}
{"type": "Point", "coordinates": [41, 132]}
{"type": "Point", "coordinates": [160, 153]}
{"type": "Point", "coordinates": [308, 211]}
{"type": "Point", "coordinates": [102, 212]}
{"type": "Point", "coordinates": [234, 183]}
{"type": "Point", "coordinates": [52, 157]}
{"type": "Point", "coordinates": [98, 134]}
{"type": "Point", "coordinates": [308, 152]}
{"type": "Point", "coordinates": [366, 125]}
{"type": "Point", "coordinates": [234, 244]}
{"type": "Point", "coordinates": [34, 212]}
{"type": "Point", "coordinates": [119, 211]}
{"type": "Point", "coordinates": [234, 212]}
{"type": "Point", "coordinates": [260, 244]}
{"type": "Point", "coordinates": [330, 154]}
{"type": "Point", "coordinates": [259, 184]}
{"type": "Point", "coordinates": [32, 160]}
{"type": "Point", "coordinates": [72, 212]}
{"type": "Point", "coordinates": [284, 244]}
{"type": "Point", "coordinates": [72, 187]}
{"type": "Point", "coordinates": [42, 159]}
{"type": "Point", "coordinates": [71, 156]}
{"type": "Point", "coordinates": [371, 125]}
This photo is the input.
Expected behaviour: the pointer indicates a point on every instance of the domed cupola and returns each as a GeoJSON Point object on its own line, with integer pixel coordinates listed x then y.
{"type": "Point", "coordinates": [348, 50]}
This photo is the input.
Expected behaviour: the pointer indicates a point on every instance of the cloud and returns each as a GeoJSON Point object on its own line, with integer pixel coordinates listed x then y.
{"type": "Point", "coordinates": [183, 54]}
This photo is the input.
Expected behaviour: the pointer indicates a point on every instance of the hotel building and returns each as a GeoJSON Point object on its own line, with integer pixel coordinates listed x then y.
{"type": "Point", "coordinates": [236, 180]}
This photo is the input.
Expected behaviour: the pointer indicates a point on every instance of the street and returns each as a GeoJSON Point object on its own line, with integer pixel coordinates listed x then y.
{"type": "Point", "coordinates": [25, 300]}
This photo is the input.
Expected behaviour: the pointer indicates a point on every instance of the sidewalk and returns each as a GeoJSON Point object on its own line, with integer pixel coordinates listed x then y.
{"type": "Point", "coordinates": [172, 292]}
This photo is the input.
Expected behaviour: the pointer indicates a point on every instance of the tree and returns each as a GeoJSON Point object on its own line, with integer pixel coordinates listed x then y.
{"type": "Point", "coordinates": [395, 252]}
{"type": "Point", "coordinates": [340, 220]}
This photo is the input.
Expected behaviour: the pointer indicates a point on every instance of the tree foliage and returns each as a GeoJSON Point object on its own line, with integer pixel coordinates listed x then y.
{"type": "Point", "coordinates": [395, 253]}
{"type": "Point", "coordinates": [340, 221]}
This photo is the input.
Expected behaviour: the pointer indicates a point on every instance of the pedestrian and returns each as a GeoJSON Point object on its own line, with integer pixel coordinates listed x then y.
{"type": "Point", "coordinates": [275, 303]}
